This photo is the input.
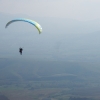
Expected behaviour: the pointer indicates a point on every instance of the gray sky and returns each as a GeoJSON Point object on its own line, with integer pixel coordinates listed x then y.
{"type": "Point", "coordinates": [62, 36]}
{"type": "Point", "coordinates": [74, 9]}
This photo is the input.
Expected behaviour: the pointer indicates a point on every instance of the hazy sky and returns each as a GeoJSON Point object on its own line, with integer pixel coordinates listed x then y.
{"type": "Point", "coordinates": [64, 40]}
{"type": "Point", "coordinates": [75, 9]}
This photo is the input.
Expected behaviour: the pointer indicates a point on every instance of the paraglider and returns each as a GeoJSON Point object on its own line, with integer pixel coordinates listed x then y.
{"type": "Point", "coordinates": [20, 50]}
{"type": "Point", "coordinates": [39, 28]}
{"type": "Point", "coordinates": [26, 20]}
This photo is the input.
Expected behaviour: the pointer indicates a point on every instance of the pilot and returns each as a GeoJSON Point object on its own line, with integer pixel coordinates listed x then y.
{"type": "Point", "coordinates": [20, 50]}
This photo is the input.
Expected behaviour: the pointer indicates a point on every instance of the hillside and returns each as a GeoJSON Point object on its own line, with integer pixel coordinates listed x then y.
{"type": "Point", "coordinates": [35, 79]}
{"type": "Point", "coordinates": [18, 70]}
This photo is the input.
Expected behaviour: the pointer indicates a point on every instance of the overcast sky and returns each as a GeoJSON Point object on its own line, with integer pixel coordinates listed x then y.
{"type": "Point", "coordinates": [64, 40]}
{"type": "Point", "coordinates": [75, 9]}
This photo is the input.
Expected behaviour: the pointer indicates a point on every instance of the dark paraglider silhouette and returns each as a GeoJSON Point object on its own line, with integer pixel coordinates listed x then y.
{"type": "Point", "coordinates": [20, 50]}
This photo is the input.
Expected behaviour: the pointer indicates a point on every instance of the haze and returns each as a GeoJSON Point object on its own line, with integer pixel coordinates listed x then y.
{"type": "Point", "coordinates": [61, 63]}
{"type": "Point", "coordinates": [70, 29]}
{"type": "Point", "coordinates": [74, 9]}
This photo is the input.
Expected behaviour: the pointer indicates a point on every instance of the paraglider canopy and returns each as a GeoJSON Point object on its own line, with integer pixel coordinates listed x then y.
{"type": "Point", "coordinates": [26, 20]}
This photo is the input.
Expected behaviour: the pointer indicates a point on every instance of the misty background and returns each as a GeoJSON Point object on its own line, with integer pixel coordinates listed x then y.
{"type": "Point", "coordinates": [61, 39]}
{"type": "Point", "coordinates": [63, 61]}
{"type": "Point", "coordinates": [70, 29]}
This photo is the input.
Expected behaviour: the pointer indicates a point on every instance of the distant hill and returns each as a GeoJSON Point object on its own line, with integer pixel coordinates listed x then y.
{"type": "Point", "coordinates": [18, 70]}
{"type": "Point", "coordinates": [3, 97]}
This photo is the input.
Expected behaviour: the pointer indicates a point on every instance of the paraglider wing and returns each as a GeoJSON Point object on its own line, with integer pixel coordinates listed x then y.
{"type": "Point", "coordinates": [26, 20]}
